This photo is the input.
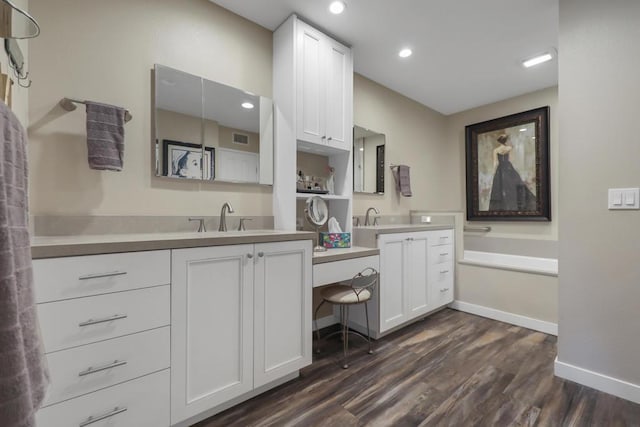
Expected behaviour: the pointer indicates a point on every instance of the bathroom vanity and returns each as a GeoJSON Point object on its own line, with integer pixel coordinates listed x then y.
{"type": "Point", "coordinates": [168, 329]}
{"type": "Point", "coordinates": [416, 273]}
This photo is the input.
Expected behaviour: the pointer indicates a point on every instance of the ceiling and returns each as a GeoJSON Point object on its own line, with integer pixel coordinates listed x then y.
{"type": "Point", "coordinates": [466, 53]}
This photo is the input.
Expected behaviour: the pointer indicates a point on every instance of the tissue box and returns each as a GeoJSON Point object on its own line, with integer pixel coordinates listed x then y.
{"type": "Point", "coordinates": [336, 240]}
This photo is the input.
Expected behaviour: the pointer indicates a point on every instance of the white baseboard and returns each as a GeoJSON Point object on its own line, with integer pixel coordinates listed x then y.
{"type": "Point", "coordinates": [614, 386]}
{"type": "Point", "coordinates": [503, 316]}
{"type": "Point", "coordinates": [323, 322]}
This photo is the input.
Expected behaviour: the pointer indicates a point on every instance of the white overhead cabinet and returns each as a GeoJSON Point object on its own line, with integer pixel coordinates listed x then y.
{"type": "Point", "coordinates": [242, 318]}
{"type": "Point", "coordinates": [324, 75]}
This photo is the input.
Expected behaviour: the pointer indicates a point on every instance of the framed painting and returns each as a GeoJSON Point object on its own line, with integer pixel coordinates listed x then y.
{"type": "Point", "coordinates": [185, 160]}
{"type": "Point", "coordinates": [507, 163]}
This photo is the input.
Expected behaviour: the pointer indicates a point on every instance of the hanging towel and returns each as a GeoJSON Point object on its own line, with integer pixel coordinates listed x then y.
{"type": "Point", "coordinates": [23, 372]}
{"type": "Point", "coordinates": [105, 136]}
{"type": "Point", "coordinates": [402, 176]}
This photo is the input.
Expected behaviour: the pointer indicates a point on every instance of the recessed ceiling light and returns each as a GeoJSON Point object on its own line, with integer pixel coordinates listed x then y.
{"type": "Point", "coordinates": [337, 7]}
{"type": "Point", "coordinates": [405, 53]}
{"type": "Point", "coordinates": [537, 60]}
{"type": "Point", "coordinates": [361, 149]}
{"type": "Point", "coordinates": [523, 130]}
{"type": "Point", "coordinates": [247, 105]}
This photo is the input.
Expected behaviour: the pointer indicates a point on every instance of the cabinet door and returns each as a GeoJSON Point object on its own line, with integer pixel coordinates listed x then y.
{"type": "Point", "coordinates": [211, 327]}
{"type": "Point", "coordinates": [393, 259]}
{"type": "Point", "coordinates": [311, 85]}
{"type": "Point", "coordinates": [418, 298]}
{"type": "Point", "coordinates": [339, 93]}
{"type": "Point", "coordinates": [282, 325]}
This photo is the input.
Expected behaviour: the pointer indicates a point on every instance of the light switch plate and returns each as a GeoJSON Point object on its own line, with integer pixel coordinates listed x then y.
{"type": "Point", "coordinates": [624, 198]}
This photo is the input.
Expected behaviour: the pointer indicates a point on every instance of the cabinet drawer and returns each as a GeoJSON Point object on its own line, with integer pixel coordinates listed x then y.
{"type": "Point", "coordinates": [440, 254]}
{"type": "Point", "coordinates": [441, 237]}
{"type": "Point", "coordinates": [81, 321]}
{"type": "Point", "coordinates": [86, 369]}
{"type": "Point", "coordinates": [143, 402]}
{"type": "Point", "coordinates": [441, 283]}
{"type": "Point", "coordinates": [341, 271]}
{"type": "Point", "coordinates": [63, 278]}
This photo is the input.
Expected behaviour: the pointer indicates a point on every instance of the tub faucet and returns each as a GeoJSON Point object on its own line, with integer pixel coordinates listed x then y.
{"type": "Point", "coordinates": [223, 216]}
{"type": "Point", "coordinates": [366, 218]}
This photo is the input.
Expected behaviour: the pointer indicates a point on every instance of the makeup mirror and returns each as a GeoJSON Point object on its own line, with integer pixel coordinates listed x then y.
{"type": "Point", "coordinates": [317, 213]}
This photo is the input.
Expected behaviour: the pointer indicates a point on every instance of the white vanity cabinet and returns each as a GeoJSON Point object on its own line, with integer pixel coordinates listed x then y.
{"type": "Point", "coordinates": [324, 73]}
{"type": "Point", "coordinates": [241, 318]}
{"type": "Point", "coordinates": [416, 278]}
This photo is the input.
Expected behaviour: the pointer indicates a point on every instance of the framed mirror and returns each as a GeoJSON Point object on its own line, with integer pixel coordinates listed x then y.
{"type": "Point", "coordinates": [368, 161]}
{"type": "Point", "coordinates": [209, 131]}
{"type": "Point", "coordinates": [317, 213]}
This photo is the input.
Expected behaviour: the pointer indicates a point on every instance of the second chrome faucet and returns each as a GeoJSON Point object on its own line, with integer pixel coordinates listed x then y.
{"type": "Point", "coordinates": [366, 218]}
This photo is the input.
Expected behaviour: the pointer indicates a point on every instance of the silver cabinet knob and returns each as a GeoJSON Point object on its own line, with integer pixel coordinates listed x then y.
{"type": "Point", "coordinates": [260, 254]}
{"type": "Point", "coordinates": [329, 139]}
{"type": "Point", "coordinates": [250, 256]}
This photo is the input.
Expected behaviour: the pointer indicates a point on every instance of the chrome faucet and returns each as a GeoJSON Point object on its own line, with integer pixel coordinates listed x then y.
{"type": "Point", "coordinates": [201, 227]}
{"type": "Point", "coordinates": [366, 218]}
{"type": "Point", "coordinates": [223, 216]}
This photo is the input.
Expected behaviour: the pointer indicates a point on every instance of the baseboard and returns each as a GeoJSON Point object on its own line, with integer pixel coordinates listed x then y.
{"type": "Point", "coordinates": [614, 386]}
{"type": "Point", "coordinates": [503, 316]}
{"type": "Point", "coordinates": [323, 322]}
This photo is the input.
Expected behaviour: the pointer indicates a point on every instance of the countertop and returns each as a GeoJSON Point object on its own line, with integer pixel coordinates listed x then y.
{"type": "Point", "coordinates": [403, 228]}
{"type": "Point", "coordinates": [62, 246]}
{"type": "Point", "coordinates": [340, 254]}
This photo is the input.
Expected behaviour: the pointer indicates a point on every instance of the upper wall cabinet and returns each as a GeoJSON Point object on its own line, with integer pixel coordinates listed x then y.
{"type": "Point", "coordinates": [324, 94]}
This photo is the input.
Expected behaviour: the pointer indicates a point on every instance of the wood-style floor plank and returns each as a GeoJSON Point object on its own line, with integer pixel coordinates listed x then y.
{"type": "Point", "coordinates": [452, 369]}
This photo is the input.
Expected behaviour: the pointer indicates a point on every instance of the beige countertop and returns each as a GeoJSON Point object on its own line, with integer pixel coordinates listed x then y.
{"type": "Point", "coordinates": [403, 228]}
{"type": "Point", "coordinates": [340, 254]}
{"type": "Point", "coordinates": [62, 246]}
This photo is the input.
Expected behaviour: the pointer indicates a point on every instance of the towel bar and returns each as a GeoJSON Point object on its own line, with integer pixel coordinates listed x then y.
{"type": "Point", "coordinates": [69, 104]}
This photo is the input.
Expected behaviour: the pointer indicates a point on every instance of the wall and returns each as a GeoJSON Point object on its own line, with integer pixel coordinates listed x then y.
{"type": "Point", "coordinates": [522, 294]}
{"type": "Point", "coordinates": [415, 136]}
{"type": "Point", "coordinates": [599, 281]}
{"type": "Point", "coordinates": [105, 51]}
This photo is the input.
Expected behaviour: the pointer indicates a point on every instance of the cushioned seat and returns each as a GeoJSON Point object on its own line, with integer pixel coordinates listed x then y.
{"type": "Point", "coordinates": [357, 291]}
{"type": "Point", "coordinates": [345, 294]}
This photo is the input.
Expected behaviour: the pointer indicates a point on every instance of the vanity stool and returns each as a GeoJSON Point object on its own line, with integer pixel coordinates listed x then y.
{"type": "Point", "coordinates": [357, 291]}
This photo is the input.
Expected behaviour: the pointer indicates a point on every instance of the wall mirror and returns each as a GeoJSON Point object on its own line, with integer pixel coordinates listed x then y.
{"type": "Point", "coordinates": [368, 161]}
{"type": "Point", "coordinates": [209, 131]}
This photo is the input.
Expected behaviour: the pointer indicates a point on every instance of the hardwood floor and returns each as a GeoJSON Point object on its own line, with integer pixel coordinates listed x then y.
{"type": "Point", "coordinates": [452, 369]}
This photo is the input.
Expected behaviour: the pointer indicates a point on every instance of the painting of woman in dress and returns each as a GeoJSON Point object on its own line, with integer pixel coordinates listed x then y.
{"type": "Point", "coordinates": [508, 191]}
{"type": "Point", "coordinates": [508, 168]}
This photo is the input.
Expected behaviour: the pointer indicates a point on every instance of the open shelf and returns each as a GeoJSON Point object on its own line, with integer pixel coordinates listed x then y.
{"type": "Point", "coordinates": [324, 196]}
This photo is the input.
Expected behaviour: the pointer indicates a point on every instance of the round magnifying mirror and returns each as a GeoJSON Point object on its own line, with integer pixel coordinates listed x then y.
{"type": "Point", "coordinates": [15, 23]}
{"type": "Point", "coordinates": [317, 214]}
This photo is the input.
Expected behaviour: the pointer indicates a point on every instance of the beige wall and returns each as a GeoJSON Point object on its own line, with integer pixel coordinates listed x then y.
{"type": "Point", "coordinates": [416, 136]}
{"type": "Point", "coordinates": [104, 51]}
{"type": "Point", "coordinates": [456, 135]}
{"type": "Point", "coordinates": [599, 110]}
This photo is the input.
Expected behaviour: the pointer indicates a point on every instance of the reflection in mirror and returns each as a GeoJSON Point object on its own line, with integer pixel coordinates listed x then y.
{"type": "Point", "coordinates": [368, 161]}
{"type": "Point", "coordinates": [317, 214]}
{"type": "Point", "coordinates": [15, 23]}
{"type": "Point", "coordinates": [179, 126]}
{"type": "Point", "coordinates": [232, 129]}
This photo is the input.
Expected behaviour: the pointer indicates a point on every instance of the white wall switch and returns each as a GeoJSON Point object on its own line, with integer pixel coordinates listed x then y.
{"type": "Point", "coordinates": [624, 198]}
{"type": "Point", "coordinates": [425, 219]}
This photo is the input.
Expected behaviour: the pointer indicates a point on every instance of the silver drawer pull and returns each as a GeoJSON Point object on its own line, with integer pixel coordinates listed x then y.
{"type": "Point", "coordinates": [97, 418]}
{"type": "Point", "coordinates": [100, 275]}
{"type": "Point", "coordinates": [444, 289]}
{"type": "Point", "coordinates": [92, 370]}
{"type": "Point", "coordinates": [444, 254]}
{"type": "Point", "coordinates": [444, 271]}
{"type": "Point", "coordinates": [104, 320]}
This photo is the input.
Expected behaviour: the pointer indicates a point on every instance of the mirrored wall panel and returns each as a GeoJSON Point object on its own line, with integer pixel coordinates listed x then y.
{"type": "Point", "coordinates": [368, 161]}
{"type": "Point", "coordinates": [209, 131]}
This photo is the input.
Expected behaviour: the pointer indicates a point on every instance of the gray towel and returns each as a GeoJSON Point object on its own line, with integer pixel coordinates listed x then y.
{"type": "Point", "coordinates": [402, 176]}
{"type": "Point", "coordinates": [23, 372]}
{"type": "Point", "coordinates": [105, 136]}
